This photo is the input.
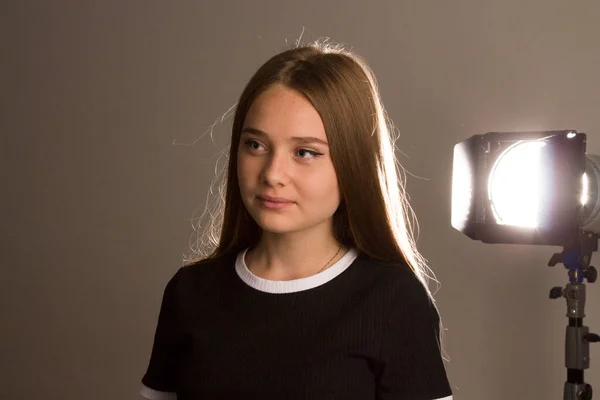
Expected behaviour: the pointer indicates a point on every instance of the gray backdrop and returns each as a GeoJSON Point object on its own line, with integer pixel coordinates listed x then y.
{"type": "Point", "coordinates": [97, 199]}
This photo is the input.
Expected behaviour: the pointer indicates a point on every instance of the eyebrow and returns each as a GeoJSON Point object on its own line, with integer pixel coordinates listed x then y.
{"type": "Point", "coordinates": [297, 139]}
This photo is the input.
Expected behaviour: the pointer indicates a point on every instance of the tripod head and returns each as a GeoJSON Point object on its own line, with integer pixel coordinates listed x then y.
{"type": "Point", "coordinates": [576, 258]}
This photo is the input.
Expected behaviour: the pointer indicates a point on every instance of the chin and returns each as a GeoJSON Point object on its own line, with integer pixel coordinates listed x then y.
{"type": "Point", "coordinates": [284, 224]}
{"type": "Point", "coordinates": [269, 225]}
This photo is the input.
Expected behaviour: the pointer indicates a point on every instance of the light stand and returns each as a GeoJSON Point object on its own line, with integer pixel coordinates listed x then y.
{"type": "Point", "coordinates": [537, 188]}
{"type": "Point", "coordinates": [576, 258]}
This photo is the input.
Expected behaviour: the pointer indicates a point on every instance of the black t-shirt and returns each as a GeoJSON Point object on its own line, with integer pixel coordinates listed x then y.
{"type": "Point", "coordinates": [362, 329]}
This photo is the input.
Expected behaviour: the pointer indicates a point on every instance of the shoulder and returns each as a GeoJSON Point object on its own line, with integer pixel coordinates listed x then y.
{"type": "Point", "coordinates": [199, 276]}
{"type": "Point", "coordinates": [396, 275]}
{"type": "Point", "coordinates": [201, 267]}
{"type": "Point", "coordinates": [398, 283]}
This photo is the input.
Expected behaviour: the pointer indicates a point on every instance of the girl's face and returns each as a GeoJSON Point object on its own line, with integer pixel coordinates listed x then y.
{"type": "Point", "coordinates": [283, 153]}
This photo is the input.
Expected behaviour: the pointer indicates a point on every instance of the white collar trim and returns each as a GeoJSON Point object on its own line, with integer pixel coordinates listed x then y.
{"type": "Point", "coordinates": [294, 285]}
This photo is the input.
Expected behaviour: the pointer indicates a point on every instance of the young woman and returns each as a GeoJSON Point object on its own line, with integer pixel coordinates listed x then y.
{"type": "Point", "coordinates": [315, 289]}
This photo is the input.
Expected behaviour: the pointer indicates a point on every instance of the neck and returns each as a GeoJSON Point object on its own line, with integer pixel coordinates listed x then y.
{"type": "Point", "coordinates": [292, 256]}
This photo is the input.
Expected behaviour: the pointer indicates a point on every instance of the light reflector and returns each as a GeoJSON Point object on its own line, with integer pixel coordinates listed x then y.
{"type": "Point", "coordinates": [515, 184]}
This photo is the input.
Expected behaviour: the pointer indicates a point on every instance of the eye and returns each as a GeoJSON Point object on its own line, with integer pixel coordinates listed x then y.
{"type": "Point", "coordinates": [309, 152]}
{"type": "Point", "coordinates": [305, 154]}
{"type": "Point", "coordinates": [249, 143]}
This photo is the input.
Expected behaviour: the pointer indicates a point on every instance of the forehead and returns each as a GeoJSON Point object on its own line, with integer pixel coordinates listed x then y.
{"type": "Point", "coordinates": [284, 112]}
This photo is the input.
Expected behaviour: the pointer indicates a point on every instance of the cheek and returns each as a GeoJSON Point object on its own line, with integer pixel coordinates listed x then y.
{"type": "Point", "coordinates": [242, 164]}
{"type": "Point", "coordinates": [247, 172]}
{"type": "Point", "coordinates": [323, 188]}
{"type": "Point", "coordinates": [242, 173]}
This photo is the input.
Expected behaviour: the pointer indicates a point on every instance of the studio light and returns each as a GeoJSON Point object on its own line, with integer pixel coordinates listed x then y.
{"type": "Point", "coordinates": [525, 187]}
{"type": "Point", "coordinates": [537, 188]}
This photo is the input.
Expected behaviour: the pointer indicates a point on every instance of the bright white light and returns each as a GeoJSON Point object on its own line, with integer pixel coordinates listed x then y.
{"type": "Point", "coordinates": [515, 185]}
{"type": "Point", "coordinates": [571, 135]}
{"type": "Point", "coordinates": [585, 197]}
{"type": "Point", "coordinates": [461, 188]}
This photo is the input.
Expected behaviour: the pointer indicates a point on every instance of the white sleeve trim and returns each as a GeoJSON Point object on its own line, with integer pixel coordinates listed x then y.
{"type": "Point", "coordinates": [445, 398]}
{"type": "Point", "coordinates": [151, 394]}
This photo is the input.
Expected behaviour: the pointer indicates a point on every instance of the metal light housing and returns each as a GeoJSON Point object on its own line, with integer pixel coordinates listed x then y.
{"type": "Point", "coordinates": [525, 187]}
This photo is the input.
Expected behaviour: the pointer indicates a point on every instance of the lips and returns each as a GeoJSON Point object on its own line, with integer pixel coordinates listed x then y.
{"type": "Point", "coordinates": [275, 199]}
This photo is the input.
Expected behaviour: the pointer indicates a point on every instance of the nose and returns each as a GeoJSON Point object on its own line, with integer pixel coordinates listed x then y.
{"type": "Point", "coordinates": [275, 170]}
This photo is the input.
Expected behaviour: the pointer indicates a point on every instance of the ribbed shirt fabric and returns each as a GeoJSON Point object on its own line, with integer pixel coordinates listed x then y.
{"type": "Point", "coordinates": [361, 329]}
